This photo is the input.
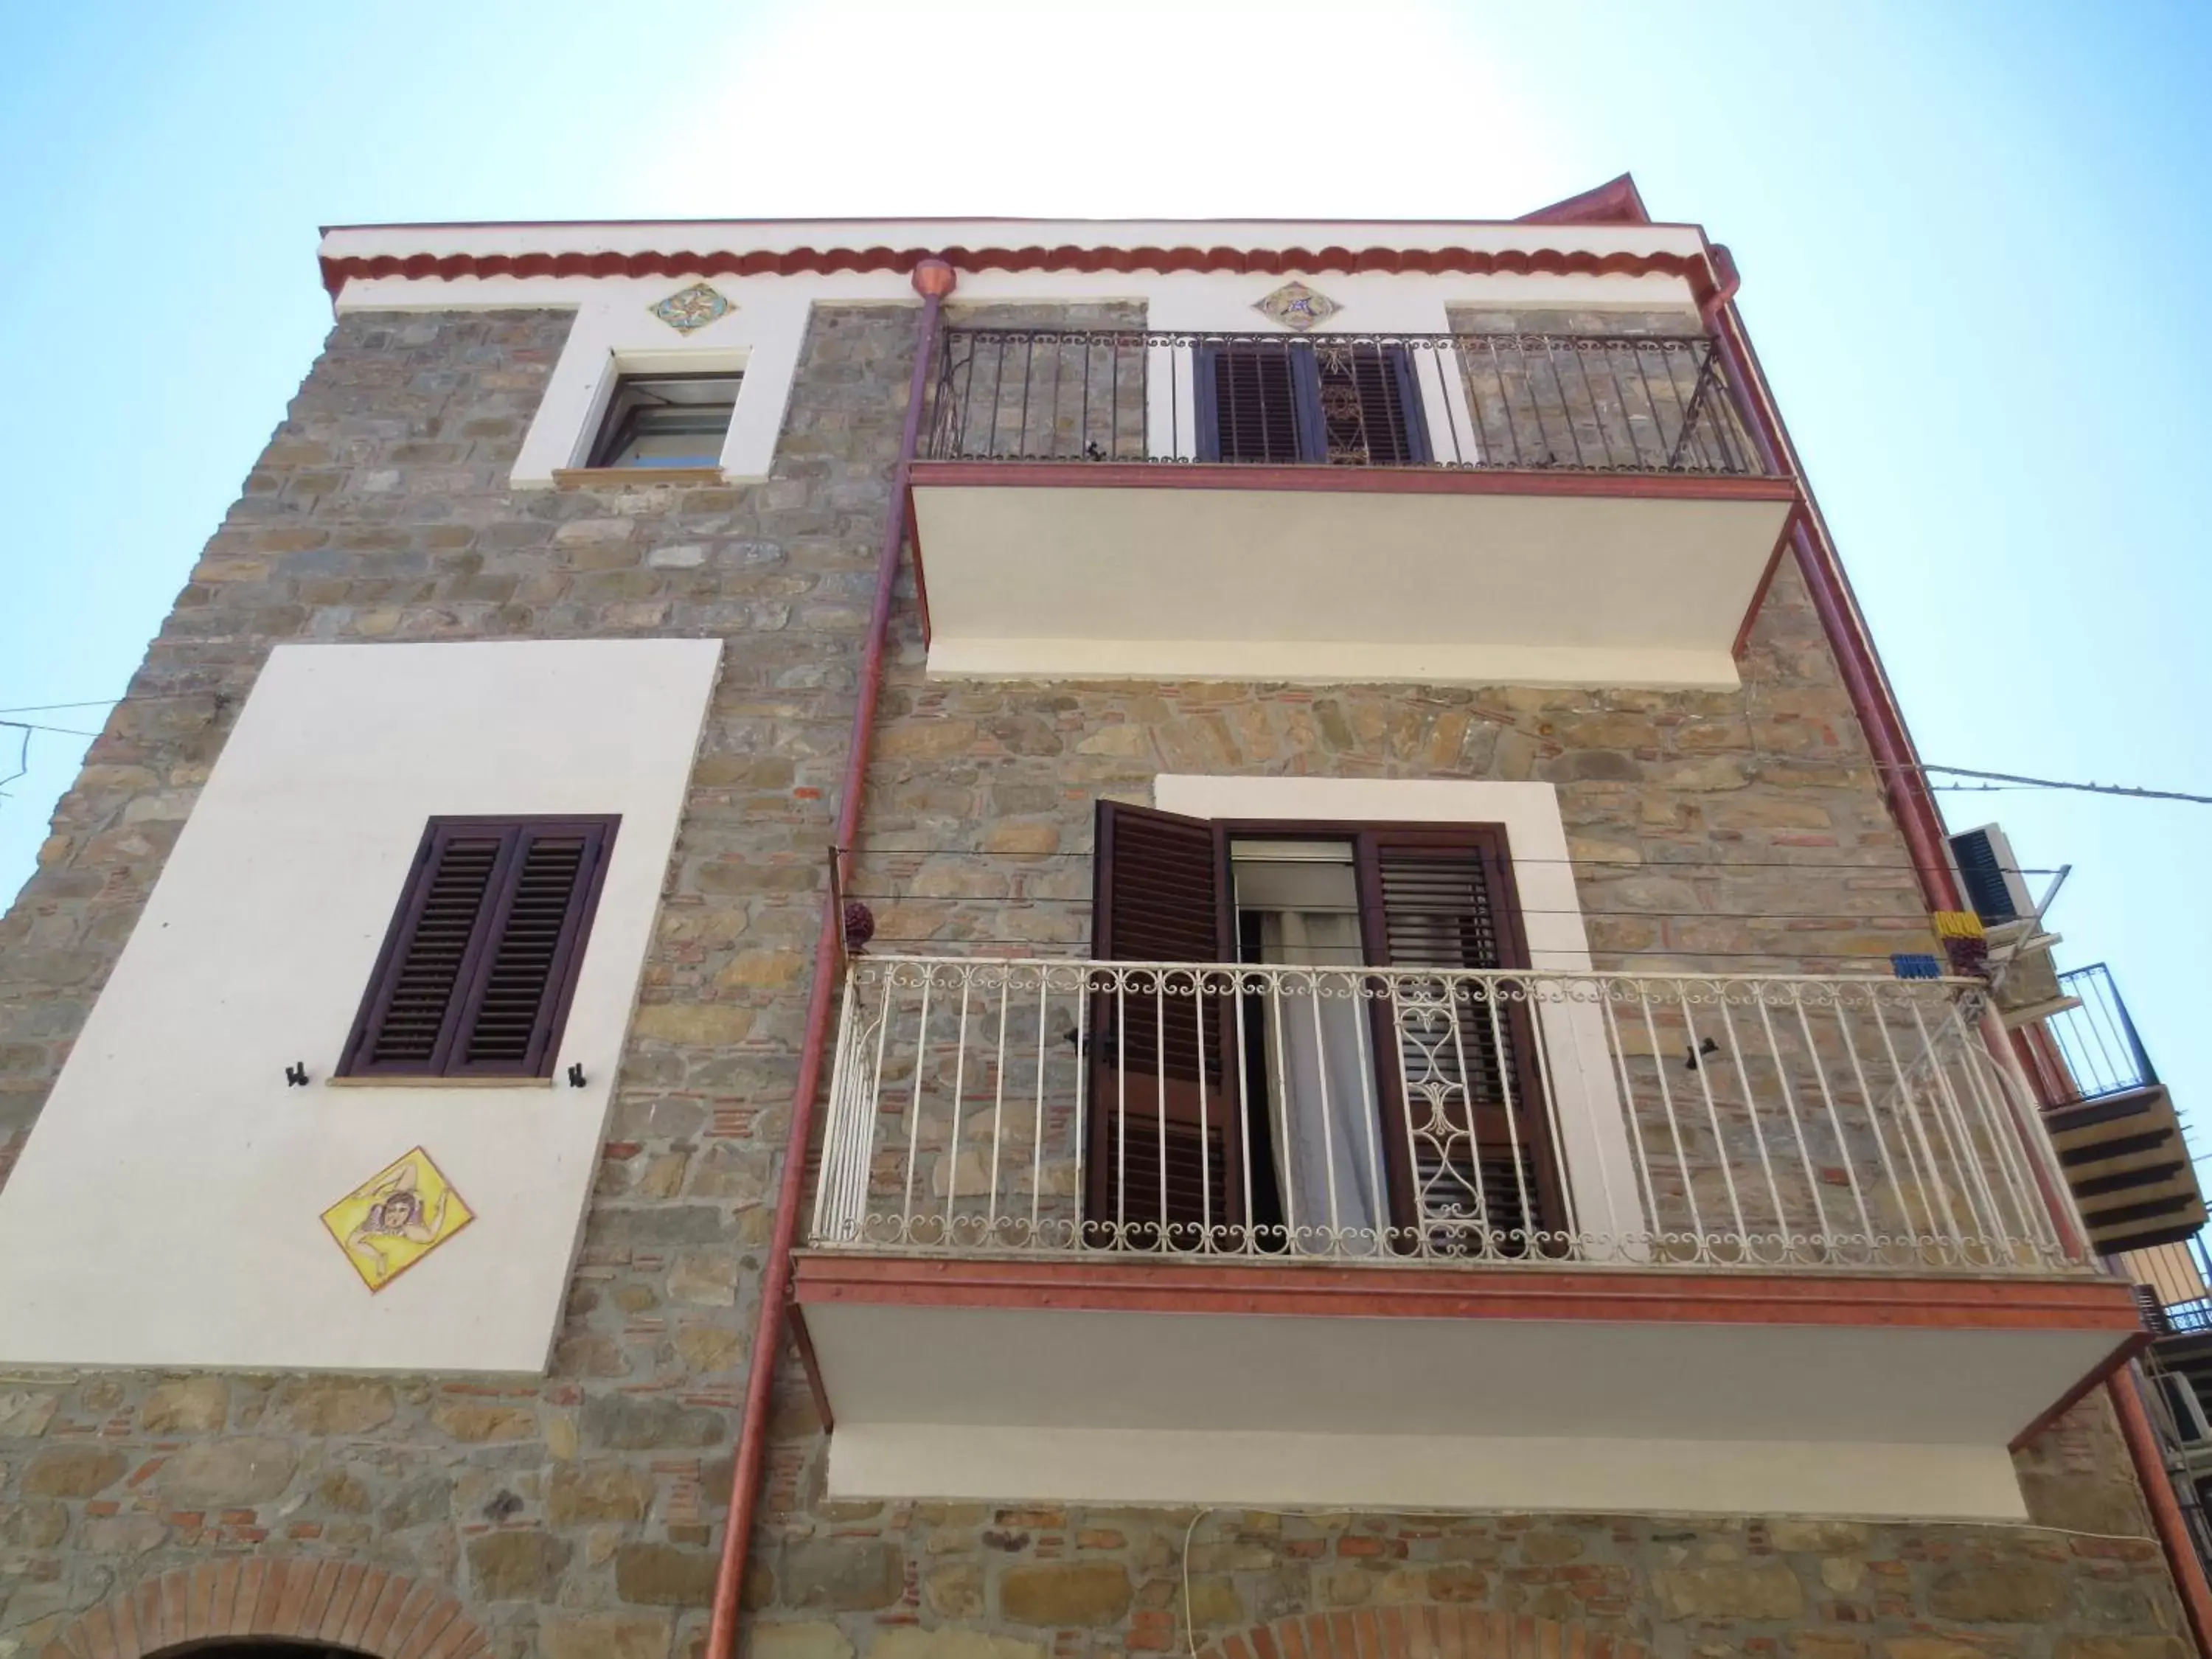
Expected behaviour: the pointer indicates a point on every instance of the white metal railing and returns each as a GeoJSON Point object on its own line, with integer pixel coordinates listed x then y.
{"type": "Point", "coordinates": [995, 1106]}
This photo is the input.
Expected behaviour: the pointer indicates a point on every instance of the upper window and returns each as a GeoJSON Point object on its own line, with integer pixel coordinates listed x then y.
{"type": "Point", "coordinates": [666, 420]}
{"type": "Point", "coordinates": [1313, 402]}
{"type": "Point", "coordinates": [480, 960]}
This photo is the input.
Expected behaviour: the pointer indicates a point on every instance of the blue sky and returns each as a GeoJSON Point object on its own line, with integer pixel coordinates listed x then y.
{"type": "Point", "coordinates": [1972, 238]}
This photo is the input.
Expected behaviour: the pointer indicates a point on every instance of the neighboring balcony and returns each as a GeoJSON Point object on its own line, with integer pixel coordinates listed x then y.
{"type": "Point", "coordinates": [1229, 1233]}
{"type": "Point", "coordinates": [1531, 508]}
{"type": "Point", "coordinates": [2118, 1137]}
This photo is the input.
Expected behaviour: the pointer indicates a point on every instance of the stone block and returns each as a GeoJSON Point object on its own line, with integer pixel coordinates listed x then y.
{"type": "Point", "coordinates": [185, 1405]}
{"type": "Point", "coordinates": [951, 1642]}
{"type": "Point", "coordinates": [625, 1423]}
{"type": "Point", "coordinates": [1065, 1595]}
{"type": "Point", "coordinates": [331, 1406]}
{"type": "Point", "coordinates": [227, 1473]}
{"type": "Point", "coordinates": [1550, 1548]}
{"type": "Point", "coordinates": [24, 1414]}
{"type": "Point", "coordinates": [74, 1472]}
{"type": "Point", "coordinates": [842, 1575]}
{"type": "Point", "coordinates": [516, 1566]}
{"type": "Point", "coordinates": [1824, 1537]}
{"type": "Point", "coordinates": [640, 1636]}
{"type": "Point", "coordinates": [954, 1590]}
{"type": "Point", "coordinates": [2121, 1647]}
{"type": "Point", "coordinates": [601, 1490]}
{"type": "Point", "coordinates": [810, 1640]}
{"type": "Point", "coordinates": [1930, 1647]}
{"type": "Point", "coordinates": [422, 1501]}
{"type": "Point", "coordinates": [2020, 1593]}
{"type": "Point", "coordinates": [113, 1535]}
{"type": "Point", "coordinates": [663, 1575]}
{"type": "Point", "coordinates": [1737, 1590]}
{"type": "Point", "coordinates": [478, 1421]}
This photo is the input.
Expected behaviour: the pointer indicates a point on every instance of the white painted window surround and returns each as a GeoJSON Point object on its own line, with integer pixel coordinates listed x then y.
{"type": "Point", "coordinates": [1600, 1168]}
{"type": "Point", "coordinates": [166, 1210]}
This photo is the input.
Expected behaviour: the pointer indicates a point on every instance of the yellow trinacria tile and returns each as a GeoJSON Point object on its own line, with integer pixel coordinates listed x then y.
{"type": "Point", "coordinates": [395, 1218]}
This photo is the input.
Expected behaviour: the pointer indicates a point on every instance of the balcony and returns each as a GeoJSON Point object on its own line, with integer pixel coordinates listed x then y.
{"type": "Point", "coordinates": [1529, 507]}
{"type": "Point", "coordinates": [1195, 1233]}
{"type": "Point", "coordinates": [2119, 1139]}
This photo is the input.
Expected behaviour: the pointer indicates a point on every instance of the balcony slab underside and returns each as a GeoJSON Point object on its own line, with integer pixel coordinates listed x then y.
{"type": "Point", "coordinates": [1508, 1389]}
{"type": "Point", "coordinates": [1320, 573]}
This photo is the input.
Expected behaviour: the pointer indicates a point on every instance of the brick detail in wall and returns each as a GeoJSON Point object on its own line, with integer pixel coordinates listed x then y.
{"type": "Point", "coordinates": [344, 1603]}
{"type": "Point", "coordinates": [1419, 1632]}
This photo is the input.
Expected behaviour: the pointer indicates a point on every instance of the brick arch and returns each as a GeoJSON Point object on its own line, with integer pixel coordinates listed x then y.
{"type": "Point", "coordinates": [1421, 1632]}
{"type": "Point", "coordinates": [346, 1604]}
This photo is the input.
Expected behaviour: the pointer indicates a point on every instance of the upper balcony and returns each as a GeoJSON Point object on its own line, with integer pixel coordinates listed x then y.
{"type": "Point", "coordinates": [1153, 1232]}
{"type": "Point", "coordinates": [1499, 507]}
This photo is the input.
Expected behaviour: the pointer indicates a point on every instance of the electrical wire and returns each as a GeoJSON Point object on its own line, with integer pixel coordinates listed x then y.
{"type": "Point", "coordinates": [2016, 780]}
{"type": "Point", "coordinates": [22, 762]}
{"type": "Point", "coordinates": [1868, 917]}
{"type": "Point", "coordinates": [873, 851]}
{"type": "Point", "coordinates": [27, 727]}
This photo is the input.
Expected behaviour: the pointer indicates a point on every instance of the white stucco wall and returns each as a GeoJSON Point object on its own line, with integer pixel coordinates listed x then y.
{"type": "Point", "coordinates": [167, 1208]}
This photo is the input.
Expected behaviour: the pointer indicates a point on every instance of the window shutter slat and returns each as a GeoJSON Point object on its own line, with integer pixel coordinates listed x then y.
{"type": "Point", "coordinates": [478, 967]}
{"type": "Point", "coordinates": [1444, 899]}
{"type": "Point", "coordinates": [1158, 894]}
{"type": "Point", "coordinates": [1160, 897]}
{"type": "Point", "coordinates": [405, 1022]}
{"type": "Point", "coordinates": [1255, 403]}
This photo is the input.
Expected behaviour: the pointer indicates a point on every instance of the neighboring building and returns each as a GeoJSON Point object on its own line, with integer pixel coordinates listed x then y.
{"type": "Point", "coordinates": [1367, 1082]}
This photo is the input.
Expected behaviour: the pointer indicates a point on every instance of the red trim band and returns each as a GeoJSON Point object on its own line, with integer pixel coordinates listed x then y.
{"type": "Point", "coordinates": [338, 270]}
{"type": "Point", "coordinates": [1351, 480]}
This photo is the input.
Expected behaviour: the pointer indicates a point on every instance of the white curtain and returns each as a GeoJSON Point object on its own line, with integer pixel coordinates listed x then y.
{"type": "Point", "coordinates": [1327, 1128]}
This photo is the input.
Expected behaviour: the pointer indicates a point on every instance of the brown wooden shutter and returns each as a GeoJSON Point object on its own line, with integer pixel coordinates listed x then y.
{"type": "Point", "coordinates": [477, 968]}
{"type": "Point", "coordinates": [1444, 898]}
{"type": "Point", "coordinates": [1254, 403]}
{"type": "Point", "coordinates": [1160, 896]}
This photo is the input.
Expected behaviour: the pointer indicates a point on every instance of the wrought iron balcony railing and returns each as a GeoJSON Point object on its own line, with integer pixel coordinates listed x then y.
{"type": "Point", "coordinates": [2097, 1040]}
{"type": "Point", "coordinates": [1407, 1116]}
{"type": "Point", "coordinates": [1551, 402]}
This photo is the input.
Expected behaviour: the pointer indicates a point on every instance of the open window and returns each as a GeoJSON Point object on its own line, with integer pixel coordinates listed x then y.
{"type": "Point", "coordinates": [1251, 1076]}
{"type": "Point", "coordinates": [666, 421]}
{"type": "Point", "coordinates": [1308, 402]}
{"type": "Point", "coordinates": [478, 965]}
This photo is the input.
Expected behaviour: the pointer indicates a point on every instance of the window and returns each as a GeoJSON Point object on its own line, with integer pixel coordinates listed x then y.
{"type": "Point", "coordinates": [666, 420]}
{"type": "Point", "coordinates": [1416, 1116]}
{"type": "Point", "coordinates": [1309, 403]}
{"type": "Point", "coordinates": [480, 961]}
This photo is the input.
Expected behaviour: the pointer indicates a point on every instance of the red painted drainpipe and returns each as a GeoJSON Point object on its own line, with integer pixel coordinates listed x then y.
{"type": "Point", "coordinates": [1874, 702]}
{"type": "Point", "coordinates": [933, 279]}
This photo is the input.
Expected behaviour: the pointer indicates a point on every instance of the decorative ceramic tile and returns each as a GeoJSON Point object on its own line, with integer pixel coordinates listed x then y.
{"type": "Point", "coordinates": [395, 1218]}
{"type": "Point", "coordinates": [1295, 306]}
{"type": "Point", "coordinates": [692, 308]}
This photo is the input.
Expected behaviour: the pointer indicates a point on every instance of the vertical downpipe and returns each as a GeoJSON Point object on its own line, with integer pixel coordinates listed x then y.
{"type": "Point", "coordinates": [1875, 704]}
{"type": "Point", "coordinates": [933, 279]}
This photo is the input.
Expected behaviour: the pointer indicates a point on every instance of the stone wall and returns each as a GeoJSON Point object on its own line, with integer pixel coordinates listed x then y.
{"type": "Point", "coordinates": [574, 1516]}
{"type": "Point", "coordinates": [577, 1516]}
{"type": "Point", "coordinates": [854, 1579]}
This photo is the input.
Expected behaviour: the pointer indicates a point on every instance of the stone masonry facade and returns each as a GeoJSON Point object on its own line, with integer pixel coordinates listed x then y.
{"type": "Point", "coordinates": [577, 1515]}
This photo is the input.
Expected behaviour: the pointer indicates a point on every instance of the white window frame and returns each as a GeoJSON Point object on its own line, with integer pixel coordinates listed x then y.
{"type": "Point", "coordinates": [1594, 1150]}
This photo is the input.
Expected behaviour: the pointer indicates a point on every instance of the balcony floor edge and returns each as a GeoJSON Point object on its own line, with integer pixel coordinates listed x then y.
{"type": "Point", "coordinates": [2082, 1303]}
